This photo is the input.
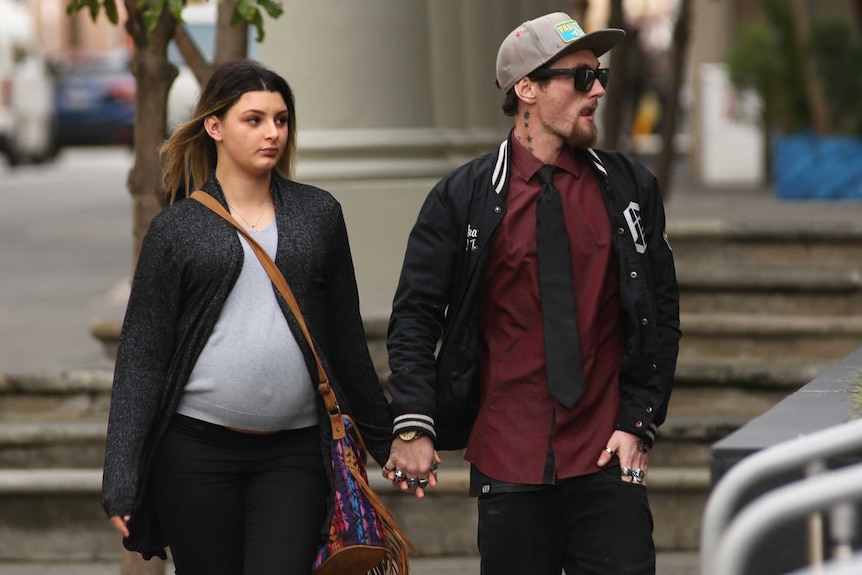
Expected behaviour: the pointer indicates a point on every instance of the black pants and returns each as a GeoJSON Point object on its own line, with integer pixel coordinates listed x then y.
{"type": "Point", "coordinates": [590, 525]}
{"type": "Point", "coordinates": [239, 504]}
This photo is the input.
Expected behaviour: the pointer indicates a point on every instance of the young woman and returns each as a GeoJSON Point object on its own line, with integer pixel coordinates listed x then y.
{"type": "Point", "coordinates": [218, 440]}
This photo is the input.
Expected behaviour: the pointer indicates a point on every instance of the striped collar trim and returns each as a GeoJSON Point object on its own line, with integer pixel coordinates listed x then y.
{"type": "Point", "coordinates": [501, 169]}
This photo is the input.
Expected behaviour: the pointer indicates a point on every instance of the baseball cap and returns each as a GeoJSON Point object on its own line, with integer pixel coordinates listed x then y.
{"type": "Point", "coordinates": [536, 42]}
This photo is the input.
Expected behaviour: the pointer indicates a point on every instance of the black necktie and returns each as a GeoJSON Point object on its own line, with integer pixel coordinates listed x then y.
{"type": "Point", "coordinates": [556, 290]}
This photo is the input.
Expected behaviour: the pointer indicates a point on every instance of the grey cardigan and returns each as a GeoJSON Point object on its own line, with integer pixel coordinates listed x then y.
{"type": "Point", "coordinates": [189, 261]}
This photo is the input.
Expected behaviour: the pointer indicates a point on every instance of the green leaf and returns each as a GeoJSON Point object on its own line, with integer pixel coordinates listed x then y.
{"type": "Point", "coordinates": [152, 13]}
{"type": "Point", "coordinates": [73, 6]}
{"type": "Point", "coordinates": [258, 23]}
{"type": "Point", "coordinates": [111, 11]}
{"type": "Point", "coordinates": [246, 9]}
{"type": "Point", "coordinates": [175, 7]}
{"type": "Point", "coordinates": [272, 7]}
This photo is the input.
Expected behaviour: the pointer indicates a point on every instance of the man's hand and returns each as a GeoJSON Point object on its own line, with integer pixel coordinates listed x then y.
{"type": "Point", "coordinates": [632, 452]}
{"type": "Point", "coordinates": [412, 465]}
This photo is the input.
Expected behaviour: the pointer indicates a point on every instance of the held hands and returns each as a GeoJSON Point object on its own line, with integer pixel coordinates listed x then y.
{"type": "Point", "coordinates": [119, 524]}
{"type": "Point", "coordinates": [412, 465]}
{"type": "Point", "coordinates": [633, 455]}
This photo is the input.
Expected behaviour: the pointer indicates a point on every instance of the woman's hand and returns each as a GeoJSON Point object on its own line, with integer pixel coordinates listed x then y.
{"type": "Point", "coordinates": [119, 524]}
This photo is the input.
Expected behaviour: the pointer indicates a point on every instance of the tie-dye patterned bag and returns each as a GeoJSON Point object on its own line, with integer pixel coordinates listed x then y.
{"type": "Point", "coordinates": [363, 537]}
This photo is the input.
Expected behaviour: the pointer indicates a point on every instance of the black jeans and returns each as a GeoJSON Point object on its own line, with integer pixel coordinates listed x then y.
{"type": "Point", "coordinates": [591, 525]}
{"type": "Point", "coordinates": [239, 504]}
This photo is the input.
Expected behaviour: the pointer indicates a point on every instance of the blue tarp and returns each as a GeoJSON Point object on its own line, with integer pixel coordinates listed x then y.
{"type": "Point", "coordinates": [807, 166]}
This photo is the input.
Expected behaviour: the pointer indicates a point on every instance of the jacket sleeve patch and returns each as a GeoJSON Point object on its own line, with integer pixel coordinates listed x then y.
{"type": "Point", "coordinates": [632, 214]}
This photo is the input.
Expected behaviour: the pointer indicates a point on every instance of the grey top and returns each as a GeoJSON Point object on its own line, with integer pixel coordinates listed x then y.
{"type": "Point", "coordinates": [251, 373]}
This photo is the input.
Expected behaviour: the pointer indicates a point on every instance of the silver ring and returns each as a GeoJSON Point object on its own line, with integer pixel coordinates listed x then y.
{"type": "Point", "coordinates": [624, 471]}
{"type": "Point", "coordinates": [609, 451]}
{"type": "Point", "coordinates": [412, 483]}
{"type": "Point", "coordinates": [399, 476]}
{"type": "Point", "coordinates": [637, 475]}
{"type": "Point", "coordinates": [423, 483]}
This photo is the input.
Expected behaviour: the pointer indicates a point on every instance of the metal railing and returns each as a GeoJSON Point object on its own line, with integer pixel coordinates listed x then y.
{"type": "Point", "coordinates": [850, 566]}
{"type": "Point", "coordinates": [727, 540]}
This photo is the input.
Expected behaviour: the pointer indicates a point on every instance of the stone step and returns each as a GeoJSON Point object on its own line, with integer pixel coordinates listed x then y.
{"type": "Point", "coordinates": [724, 244]}
{"type": "Point", "coordinates": [40, 427]}
{"type": "Point", "coordinates": [74, 394]}
{"type": "Point", "coordinates": [770, 290]}
{"type": "Point", "coordinates": [54, 514]}
{"type": "Point", "coordinates": [772, 338]}
{"type": "Point", "coordinates": [685, 439]}
{"type": "Point", "coordinates": [725, 373]}
{"type": "Point", "coordinates": [727, 386]}
{"type": "Point", "coordinates": [52, 444]}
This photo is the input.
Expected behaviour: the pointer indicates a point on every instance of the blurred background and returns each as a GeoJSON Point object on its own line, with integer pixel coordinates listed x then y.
{"type": "Point", "coordinates": [748, 111]}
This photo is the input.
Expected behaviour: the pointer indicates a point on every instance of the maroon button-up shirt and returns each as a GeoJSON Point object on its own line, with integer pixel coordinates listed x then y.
{"type": "Point", "coordinates": [517, 416]}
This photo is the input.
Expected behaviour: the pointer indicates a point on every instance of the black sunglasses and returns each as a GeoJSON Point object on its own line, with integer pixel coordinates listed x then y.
{"type": "Point", "coordinates": [584, 77]}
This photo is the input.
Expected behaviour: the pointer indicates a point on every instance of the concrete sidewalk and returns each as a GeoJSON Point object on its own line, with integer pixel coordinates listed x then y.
{"type": "Point", "coordinates": [667, 564]}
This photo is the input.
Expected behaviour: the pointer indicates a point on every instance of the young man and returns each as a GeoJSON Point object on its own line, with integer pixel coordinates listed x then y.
{"type": "Point", "coordinates": [545, 268]}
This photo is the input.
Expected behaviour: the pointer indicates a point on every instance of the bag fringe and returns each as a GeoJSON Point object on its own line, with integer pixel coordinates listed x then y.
{"type": "Point", "coordinates": [398, 546]}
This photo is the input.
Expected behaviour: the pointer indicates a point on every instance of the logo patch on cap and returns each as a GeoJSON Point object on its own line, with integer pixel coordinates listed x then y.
{"type": "Point", "coordinates": [569, 30]}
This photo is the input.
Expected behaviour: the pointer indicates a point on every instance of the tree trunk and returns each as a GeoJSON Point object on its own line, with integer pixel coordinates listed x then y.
{"type": "Point", "coordinates": [134, 564]}
{"type": "Point", "coordinates": [192, 55]}
{"type": "Point", "coordinates": [232, 41]}
{"type": "Point", "coordinates": [813, 83]}
{"type": "Point", "coordinates": [154, 76]}
{"type": "Point", "coordinates": [615, 98]}
{"type": "Point", "coordinates": [664, 170]}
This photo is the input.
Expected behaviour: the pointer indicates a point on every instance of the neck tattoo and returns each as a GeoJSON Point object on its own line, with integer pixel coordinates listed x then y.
{"type": "Point", "coordinates": [252, 226]}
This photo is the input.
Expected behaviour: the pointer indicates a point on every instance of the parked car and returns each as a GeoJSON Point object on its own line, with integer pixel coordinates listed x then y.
{"type": "Point", "coordinates": [94, 99]}
{"type": "Point", "coordinates": [26, 90]}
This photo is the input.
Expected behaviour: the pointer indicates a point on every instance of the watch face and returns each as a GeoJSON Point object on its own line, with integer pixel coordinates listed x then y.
{"type": "Point", "coordinates": [408, 435]}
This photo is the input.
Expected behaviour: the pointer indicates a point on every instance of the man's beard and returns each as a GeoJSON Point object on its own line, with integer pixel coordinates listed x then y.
{"type": "Point", "coordinates": [580, 138]}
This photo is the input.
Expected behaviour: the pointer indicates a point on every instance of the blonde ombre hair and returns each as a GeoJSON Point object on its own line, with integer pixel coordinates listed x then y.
{"type": "Point", "coordinates": [188, 156]}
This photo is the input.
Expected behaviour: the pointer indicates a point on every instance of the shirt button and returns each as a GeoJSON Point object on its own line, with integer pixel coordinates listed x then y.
{"type": "Point", "coordinates": [497, 209]}
{"type": "Point", "coordinates": [644, 321]}
{"type": "Point", "coordinates": [639, 424]}
{"type": "Point", "coordinates": [621, 231]}
{"type": "Point", "coordinates": [649, 409]}
{"type": "Point", "coordinates": [654, 367]}
{"type": "Point", "coordinates": [633, 275]}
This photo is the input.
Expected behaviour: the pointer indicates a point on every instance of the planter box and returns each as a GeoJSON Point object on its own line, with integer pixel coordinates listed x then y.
{"type": "Point", "coordinates": [806, 166]}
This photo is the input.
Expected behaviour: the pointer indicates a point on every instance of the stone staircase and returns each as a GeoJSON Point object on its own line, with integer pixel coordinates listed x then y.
{"type": "Point", "coordinates": [764, 310]}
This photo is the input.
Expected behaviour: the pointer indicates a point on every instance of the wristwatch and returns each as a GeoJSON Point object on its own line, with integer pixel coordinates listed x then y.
{"type": "Point", "coordinates": [410, 435]}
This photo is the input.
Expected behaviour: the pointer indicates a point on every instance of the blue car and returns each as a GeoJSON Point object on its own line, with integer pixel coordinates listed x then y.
{"type": "Point", "coordinates": [94, 99]}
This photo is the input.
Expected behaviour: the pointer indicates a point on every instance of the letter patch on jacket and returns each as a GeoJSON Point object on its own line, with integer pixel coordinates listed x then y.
{"type": "Point", "coordinates": [472, 236]}
{"type": "Point", "coordinates": [633, 216]}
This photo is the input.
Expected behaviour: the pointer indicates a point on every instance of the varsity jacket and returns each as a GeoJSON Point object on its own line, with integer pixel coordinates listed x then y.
{"type": "Point", "coordinates": [440, 284]}
{"type": "Point", "coordinates": [189, 262]}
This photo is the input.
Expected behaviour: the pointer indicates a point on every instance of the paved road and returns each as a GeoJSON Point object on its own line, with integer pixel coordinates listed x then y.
{"type": "Point", "coordinates": [65, 232]}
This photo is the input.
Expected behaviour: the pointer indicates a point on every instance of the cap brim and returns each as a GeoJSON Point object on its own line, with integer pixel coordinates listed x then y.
{"type": "Point", "coordinates": [600, 42]}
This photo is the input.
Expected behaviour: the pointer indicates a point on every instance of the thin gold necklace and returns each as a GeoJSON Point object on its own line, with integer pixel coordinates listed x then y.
{"type": "Point", "coordinates": [253, 226]}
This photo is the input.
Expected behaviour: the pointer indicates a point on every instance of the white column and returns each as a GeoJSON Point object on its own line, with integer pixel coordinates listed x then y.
{"type": "Point", "coordinates": [391, 95]}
